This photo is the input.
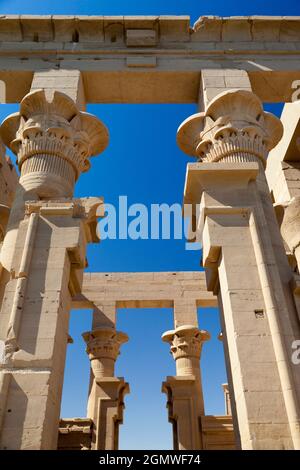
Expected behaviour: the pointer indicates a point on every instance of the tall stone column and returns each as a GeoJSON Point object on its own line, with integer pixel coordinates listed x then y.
{"type": "Point", "coordinates": [245, 262]}
{"type": "Point", "coordinates": [184, 391]}
{"type": "Point", "coordinates": [43, 258]}
{"type": "Point", "coordinates": [106, 397]}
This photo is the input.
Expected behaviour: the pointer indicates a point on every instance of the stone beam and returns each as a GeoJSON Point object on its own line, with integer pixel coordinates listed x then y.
{"type": "Point", "coordinates": [183, 291]}
{"type": "Point", "coordinates": [118, 55]}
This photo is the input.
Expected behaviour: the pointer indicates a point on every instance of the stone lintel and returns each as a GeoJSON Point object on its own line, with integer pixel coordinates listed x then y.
{"type": "Point", "coordinates": [267, 48]}
{"type": "Point", "coordinates": [183, 291]}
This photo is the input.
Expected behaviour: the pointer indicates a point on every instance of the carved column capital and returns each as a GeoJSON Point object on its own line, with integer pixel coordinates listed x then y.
{"type": "Point", "coordinates": [103, 348]}
{"type": "Point", "coordinates": [186, 346]}
{"type": "Point", "coordinates": [234, 128]}
{"type": "Point", "coordinates": [53, 142]}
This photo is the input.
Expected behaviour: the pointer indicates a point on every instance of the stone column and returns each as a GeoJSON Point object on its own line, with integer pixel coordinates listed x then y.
{"type": "Point", "coordinates": [43, 258]}
{"type": "Point", "coordinates": [106, 398]}
{"type": "Point", "coordinates": [184, 391]}
{"type": "Point", "coordinates": [245, 260]}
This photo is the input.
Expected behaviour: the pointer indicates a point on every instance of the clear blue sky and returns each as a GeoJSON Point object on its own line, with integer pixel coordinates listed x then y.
{"type": "Point", "coordinates": [142, 162]}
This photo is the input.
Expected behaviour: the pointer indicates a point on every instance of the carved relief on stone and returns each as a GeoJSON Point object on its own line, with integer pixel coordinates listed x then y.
{"type": "Point", "coordinates": [53, 142]}
{"type": "Point", "coordinates": [186, 346]}
{"type": "Point", "coordinates": [233, 128]}
{"type": "Point", "coordinates": [103, 348]}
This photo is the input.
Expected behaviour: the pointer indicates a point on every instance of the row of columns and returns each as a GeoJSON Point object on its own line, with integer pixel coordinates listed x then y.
{"type": "Point", "coordinates": [184, 391]}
